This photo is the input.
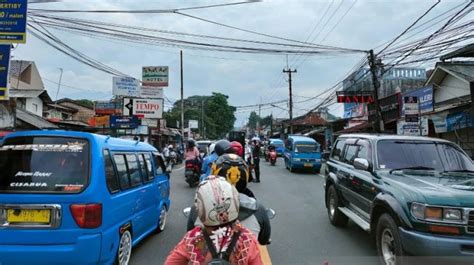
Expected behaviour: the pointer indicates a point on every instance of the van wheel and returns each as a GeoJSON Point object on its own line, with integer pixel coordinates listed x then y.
{"type": "Point", "coordinates": [336, 217]}
{"type": "Point", "coordinates": [389, 244]}
{"type": "Point", "coordinates": [162, 220]}
{"type": "Point", "coordinates": [124, 249]}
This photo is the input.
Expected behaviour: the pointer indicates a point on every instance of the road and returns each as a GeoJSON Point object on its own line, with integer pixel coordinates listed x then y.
{"type": "Point", "coordinates": [301, 232]}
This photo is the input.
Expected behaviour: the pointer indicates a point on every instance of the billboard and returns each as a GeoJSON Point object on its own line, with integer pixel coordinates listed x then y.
{"type": "Point", "coordinates": [193, 124]}
{"type": "Point", "coordinates": [125, 86]}
{"type": "Point", "coordinates": [4, 66]}
{"type": "Point", "coordinates": [151, 92]}
{"type": "Point", "coordinates": [107, 107]}
{"type": "Point", "coordinates": [13, 21]}
{"type": "Point", "coordinates": [425, 98]}
{"type": "Point", "coordinates": [144, 108]}
{"type": "Point", "coordinates": [412, 129]}
{"type": "Point", "coordinates": [411, 108]}
{"type": "Point", "coordinates": [124, 122]}
{"type": "Point", "coordinates": [355, 97]}
{"type": "Point", "coordinates": [155, 76]}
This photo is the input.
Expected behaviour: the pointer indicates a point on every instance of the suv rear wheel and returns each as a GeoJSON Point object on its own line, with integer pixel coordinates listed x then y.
{"type": "Point", "coordinates": [336, 217]}
{"type": "Point", "coordinates": [389, 245]}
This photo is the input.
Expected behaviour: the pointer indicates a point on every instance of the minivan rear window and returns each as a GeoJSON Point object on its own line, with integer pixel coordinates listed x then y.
{"type": "Point", "coordinates": [44, 164]}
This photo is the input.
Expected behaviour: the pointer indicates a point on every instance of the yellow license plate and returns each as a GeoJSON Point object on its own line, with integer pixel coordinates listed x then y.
{"type": "Point", "coordinates": [28, 216]}
{"type": "Point", "coordinates": [308, 165]}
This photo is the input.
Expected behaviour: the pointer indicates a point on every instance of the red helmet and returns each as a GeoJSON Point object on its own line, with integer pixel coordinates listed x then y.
{"type": "Point", "coordinates": [238, 148]}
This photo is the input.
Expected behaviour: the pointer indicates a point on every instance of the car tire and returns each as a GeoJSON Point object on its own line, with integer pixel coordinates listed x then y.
{"type": "Point", "coordinates": [388, 241]}
{"type": "Point", "coordinates": [124, 251]}
{"type": "Point", "coordinates": [162, 219]}
{"type": "Point", "coordinates": [336, 217]}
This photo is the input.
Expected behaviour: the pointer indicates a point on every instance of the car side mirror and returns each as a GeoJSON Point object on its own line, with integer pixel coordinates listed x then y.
{"type": "Point", "coordinates": [325, 155]}
{"type": "Point", "coordinates": [270, 212]}
{"type": "Point", "coordinates": [187, 211]}
{"type": "Point", "coordinates": [362, 164]}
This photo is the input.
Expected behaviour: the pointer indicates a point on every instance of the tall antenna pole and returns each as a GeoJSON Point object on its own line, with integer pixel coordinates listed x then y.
{"type": "Point", "coordinates": [182, 98]}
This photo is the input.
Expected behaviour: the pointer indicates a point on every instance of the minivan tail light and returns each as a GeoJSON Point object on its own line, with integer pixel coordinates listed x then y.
{"type": "Point", "coordinates": [87, 215]}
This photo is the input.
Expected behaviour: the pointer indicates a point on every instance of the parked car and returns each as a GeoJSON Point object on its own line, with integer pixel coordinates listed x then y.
{"type": "Point", "coordinates": [302, 152]}
{"type": "Point", "coordinates": [78, 198]}
{"type": "Point", "coordinates": [415, 195]}
{"type": "Point", "coordinates": [279, 144]}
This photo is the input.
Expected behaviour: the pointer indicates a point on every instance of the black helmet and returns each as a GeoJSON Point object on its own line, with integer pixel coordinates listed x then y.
{"type": "Point", "coordinates": [191, 143]}
{"type": "Point", "coordinates": [223, 147]}
{"type": "Point", "coordinates": [233, 168]}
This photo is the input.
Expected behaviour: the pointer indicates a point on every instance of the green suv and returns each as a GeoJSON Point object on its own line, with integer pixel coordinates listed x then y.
{"type": "Point", "coordinates": [415, 195]}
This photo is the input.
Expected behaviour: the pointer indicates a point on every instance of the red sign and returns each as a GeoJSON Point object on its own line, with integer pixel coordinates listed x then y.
{"type": "Point", "coordinates": [355, 99]}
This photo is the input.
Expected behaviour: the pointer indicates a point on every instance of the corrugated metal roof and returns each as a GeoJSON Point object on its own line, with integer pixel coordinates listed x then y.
{"type": "Point", "coordinates": [33, 120]}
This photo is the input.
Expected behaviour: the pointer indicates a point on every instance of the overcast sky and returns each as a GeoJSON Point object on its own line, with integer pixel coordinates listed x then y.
{"type": "Point", "coordinates": [247, 79]}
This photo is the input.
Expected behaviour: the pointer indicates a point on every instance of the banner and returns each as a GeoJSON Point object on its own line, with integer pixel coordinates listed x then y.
{"type": "Point", "coordinates": [4, 70]}
{"type": "Point", "coordinates": [425, 98]}
{"type": "Point", "coordinates": [13, 21]}
{"type": "Point", "coordinates": [125, 86]}
{"type": "Point", "coordinates": [124, 122]}
{"type": "Point", "coordinates": [107, 107]}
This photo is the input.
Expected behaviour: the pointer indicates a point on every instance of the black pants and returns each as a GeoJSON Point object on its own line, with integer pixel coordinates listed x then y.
{"type": "Point", "coordinates": [256, 163]}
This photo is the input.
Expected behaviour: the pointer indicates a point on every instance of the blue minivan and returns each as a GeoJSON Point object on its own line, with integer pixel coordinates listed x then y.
{"type": "Point", "coordinates": [78, 198]}
{"type": "Point", "coordinates": [302, 152]}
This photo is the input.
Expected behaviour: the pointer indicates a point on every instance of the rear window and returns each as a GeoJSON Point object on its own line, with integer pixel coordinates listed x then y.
{"type": "Point", "coordinates": [306, 148]}
{"type": "Point", "coordinates": [44, 164]}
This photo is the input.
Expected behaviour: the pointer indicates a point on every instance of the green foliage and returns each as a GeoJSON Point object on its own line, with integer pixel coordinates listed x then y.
{"type": "Point", "coordinates": [253, 120]}
{"type": "Point", "coordinates": [86, 102]}
{"type": "Point", "coordinates": [218, 115]}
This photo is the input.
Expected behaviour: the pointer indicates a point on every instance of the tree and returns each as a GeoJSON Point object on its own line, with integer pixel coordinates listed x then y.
{"type": "Point", "coordinates": [254, 119]}
{"type": "Point", "coordinates": [216, 117]}
{"type": "Point", "coordinates": [86, 102]}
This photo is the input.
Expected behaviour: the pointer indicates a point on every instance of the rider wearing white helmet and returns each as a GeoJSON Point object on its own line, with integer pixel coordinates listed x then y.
{"type": "Point", "coordinates": [221, 237]}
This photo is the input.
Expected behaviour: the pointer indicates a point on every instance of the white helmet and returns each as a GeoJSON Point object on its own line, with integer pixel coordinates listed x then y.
{"type": "Point", "coordinates": [170, 146]}
{"type": "Point", "coordinates": [217, 202]}
{"type": "Point", "coordinates": [211, 148]}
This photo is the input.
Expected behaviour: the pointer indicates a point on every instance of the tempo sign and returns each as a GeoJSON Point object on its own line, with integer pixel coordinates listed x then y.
{"type": "Point", "coordinates": [143, 108]}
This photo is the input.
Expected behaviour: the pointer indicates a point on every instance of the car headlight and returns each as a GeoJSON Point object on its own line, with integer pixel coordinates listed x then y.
{"type": "Point", "coordinates": [436, 213]}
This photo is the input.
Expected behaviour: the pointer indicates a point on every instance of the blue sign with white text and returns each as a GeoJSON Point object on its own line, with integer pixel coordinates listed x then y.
{"type": "Point", "coordinates": [13, 21]}
{"type": "Point", "coordinates": [124, 122]}
{"type": "Point", "coordinates": [4, 65]}
{"type": "Point", "coordinates": [425, 98]}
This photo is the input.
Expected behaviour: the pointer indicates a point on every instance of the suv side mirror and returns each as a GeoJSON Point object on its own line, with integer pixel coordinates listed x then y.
{"type": "Point", "coordinates": [362, 164]}
{"type": "Point", "coordinates": [326, 155]}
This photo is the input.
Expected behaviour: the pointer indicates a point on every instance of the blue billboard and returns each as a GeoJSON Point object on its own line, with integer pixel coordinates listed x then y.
{"type": "Point", "coordinates": [124, 122]}
{"type": "Point", "coordinates": [4, 65]}
{"type": "Point", "coordinates": [13, 21]}
{"type": "Point", "coordinates": [425, 98]}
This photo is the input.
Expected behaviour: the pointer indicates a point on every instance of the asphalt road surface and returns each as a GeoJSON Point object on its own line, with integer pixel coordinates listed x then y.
{"type": "Point", "coordinates": [301, 232]}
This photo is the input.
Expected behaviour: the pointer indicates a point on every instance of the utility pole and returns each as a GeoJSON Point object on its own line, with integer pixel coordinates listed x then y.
{"type": "Point", "coordinates": [202, 120]}
{"type": "Point", "coordinates": [289, 71]}
{"type": "Point", "coordinates": [182, 98]}
{"type": "Point", "coordinates": [374, 68]}
{"type": "Point", "coordinates": [259, 116]}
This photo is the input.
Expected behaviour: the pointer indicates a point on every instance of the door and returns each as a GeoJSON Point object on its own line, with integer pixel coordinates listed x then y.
{"type": "Point", "coordinates": [150, 194]}
{"type": "Point", "coordinates": [338, 169]}
{"type": "Point", "coordinates": [136, 184]}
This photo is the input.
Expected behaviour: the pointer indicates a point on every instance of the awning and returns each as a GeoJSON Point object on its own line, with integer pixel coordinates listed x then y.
{"type": "Point", "coordinates": [34, 120]}
{"type": "Point", "coordinates": [354, 129]}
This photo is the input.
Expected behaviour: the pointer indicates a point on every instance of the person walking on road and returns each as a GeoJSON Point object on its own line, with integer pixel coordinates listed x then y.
{"type": "Point", "coordinates": [221, 239]}
{"type": "Point", "coordinates": [256, 158]}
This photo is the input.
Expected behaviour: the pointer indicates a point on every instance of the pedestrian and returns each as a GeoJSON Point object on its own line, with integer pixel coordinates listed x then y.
{"type": "Point", "coordinates": [221, 239]}
{"type": "Point", "coordinates": [256, 159]}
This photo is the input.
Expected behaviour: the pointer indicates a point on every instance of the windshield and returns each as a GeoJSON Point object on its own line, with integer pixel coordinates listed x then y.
{"type": "Point", "coordinates": [44, 164]}
{"type": "Point", "coordinates": [405, 154]}
{"type": "Point", "coordinates": [276, 143]}
{"type": "Point", "coordinates": [306, 148]}
{"type": "Point", "coordinates": [202, 147]}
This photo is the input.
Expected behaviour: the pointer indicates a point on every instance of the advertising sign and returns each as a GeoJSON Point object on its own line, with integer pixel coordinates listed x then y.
{"type": "Point", "coordinates": [144, 108]}
{"type": "Point", "coordinates": [193, 124]}
{"type": "Point", "coordinates": [412, 129]}
{"type": "Point", "coordinates": [151, 92]}
{"type": "Point", "coordinates": [150, 122]}
{"type": "Point", "coordinates": [13, 21]}
{"type": "Point", "coordinates": [459, 120]}
{"type": "Point", "coordinates": [425, 98]}
{"type": "Point", "coordinates": [410, 106]}
{"type": "Point", "coordinates": [125, 86]}
{"type": "Point", "coordinates": [4, 66]}
{"type": "Point", "coordinates": [124, 122]}
{"type": "Point", "coordinates": [99, 121]}
{"type": "Point", "coordinates": [155, 76]}
{"type": "Point", "coordinates": [355, 97]}
{"type": "Point", "coordinates": [107, 107]}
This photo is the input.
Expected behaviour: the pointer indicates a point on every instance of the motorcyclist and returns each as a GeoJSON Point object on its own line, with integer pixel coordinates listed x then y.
{"type": "Point", "coordinates": [217, 206]}
{"type": "Point", "coordinates": [252, 215]}
{"type": "Point", "coordinates": [207, 162]}
{"type": "Point", "coordinates": [192, 152]}
{"type": "Point", "coordinates": [238, 148]}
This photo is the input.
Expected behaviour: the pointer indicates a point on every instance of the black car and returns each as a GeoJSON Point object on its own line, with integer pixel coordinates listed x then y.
{"type": "Point", "coordinates": [415, 195]}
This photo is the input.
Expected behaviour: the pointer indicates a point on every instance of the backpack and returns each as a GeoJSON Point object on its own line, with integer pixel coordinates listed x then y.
{"type": "Point", "coordinates": [221, 258]}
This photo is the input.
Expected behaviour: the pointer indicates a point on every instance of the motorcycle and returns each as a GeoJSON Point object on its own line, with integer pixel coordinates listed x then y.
{"type": "Point", "coordinates": [272, 157]}
{"type": "Point", "coordinates": [192, 173]}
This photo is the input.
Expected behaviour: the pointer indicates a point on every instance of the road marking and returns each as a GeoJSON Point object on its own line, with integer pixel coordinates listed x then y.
{"type": "Point", "coordinates": [265, 255]}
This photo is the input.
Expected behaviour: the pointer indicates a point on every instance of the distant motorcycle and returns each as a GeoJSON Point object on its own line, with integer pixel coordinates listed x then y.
{"type": "Point", "coordinates": [192, 173]}
{"type": "Point", "coordinates": [272, 154]}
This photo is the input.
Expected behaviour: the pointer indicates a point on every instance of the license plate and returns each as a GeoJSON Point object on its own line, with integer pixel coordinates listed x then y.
{"type": "Point", "coordinates": [28, 216]}
{"type": "Point", "coordinates": [308, 165]}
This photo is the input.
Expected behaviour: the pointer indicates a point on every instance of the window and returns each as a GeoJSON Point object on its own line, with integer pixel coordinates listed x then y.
{"type": "Point", "coordinates": [122, 171]}
{"type": "Point", "coordinates": [350, 155]}
{"type": "Point", "coordinates": [337, 151]}
{"type": "Point", "coordinates": [149, 166]}
{"type": "Point", "coordinates": [160, 165]}
{"type": "Point", "coordinates": [110, 176]}
{"type": "Point", "coordinates": [364, 150]}
{"type": "Point", "coordinates": [35, 107]}
{"type": "Point", "coordinates": [133, 170]}
{"type": "Point", "coordinates": [143, 168]}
